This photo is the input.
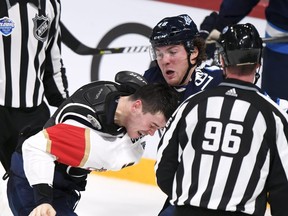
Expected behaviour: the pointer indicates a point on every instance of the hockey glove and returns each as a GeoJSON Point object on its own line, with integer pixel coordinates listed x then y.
{"type": "Point", "coordinates": [129, 81]}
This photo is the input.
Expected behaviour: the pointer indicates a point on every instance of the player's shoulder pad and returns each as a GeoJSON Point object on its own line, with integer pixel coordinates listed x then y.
{"type": "Point", "coordinates": [130, 81]}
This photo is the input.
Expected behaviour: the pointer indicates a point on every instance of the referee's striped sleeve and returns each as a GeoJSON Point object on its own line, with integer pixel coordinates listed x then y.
{"type": "Point", "coordinates": [30, 63]}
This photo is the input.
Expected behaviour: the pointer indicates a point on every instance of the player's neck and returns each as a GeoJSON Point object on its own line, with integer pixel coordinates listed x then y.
{"type": "Point", "coordinates": [246, 78]}
{"type": "Point", "coordinates": [120, 113]}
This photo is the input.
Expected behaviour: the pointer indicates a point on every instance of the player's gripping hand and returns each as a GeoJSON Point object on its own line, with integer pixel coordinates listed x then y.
{"type": "Point", "coordinates": [213, 36]}
{"type": "Point", "coordinates": [44, 209]}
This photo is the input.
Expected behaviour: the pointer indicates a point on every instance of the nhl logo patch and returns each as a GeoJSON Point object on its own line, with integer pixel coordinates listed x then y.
{"type": "Point", "coordinates": [6, 26]}
{"type": "Point", "coordinates": [41, 27]}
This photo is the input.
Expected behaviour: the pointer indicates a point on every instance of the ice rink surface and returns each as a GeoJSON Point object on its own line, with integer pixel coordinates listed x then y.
{"type": "Point", "coordinates": [105, 196]}
{"type": "Point", "coordinates": [110, 196]}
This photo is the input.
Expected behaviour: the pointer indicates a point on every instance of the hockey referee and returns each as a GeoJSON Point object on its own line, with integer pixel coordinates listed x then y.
{"type": "Point", "coordinates": [225, 150]}
{"type": "Point", "coordinates": [30, 69]}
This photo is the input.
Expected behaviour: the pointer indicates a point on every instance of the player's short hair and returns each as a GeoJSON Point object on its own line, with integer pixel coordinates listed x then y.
{"type": "Point", "coordinates": [157, 97]}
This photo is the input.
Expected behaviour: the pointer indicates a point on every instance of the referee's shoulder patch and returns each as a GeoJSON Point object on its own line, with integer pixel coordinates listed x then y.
{"type": "Point", "coordinates": [6, 26]}
{"type": "Point", "coordinates": [41, 27]}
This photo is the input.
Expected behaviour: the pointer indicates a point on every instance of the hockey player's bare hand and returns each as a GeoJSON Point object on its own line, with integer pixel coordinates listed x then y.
{"type": "Point", "coordinates": [43, 210]}
{"type": "Point", "coordinates": [213, 36]}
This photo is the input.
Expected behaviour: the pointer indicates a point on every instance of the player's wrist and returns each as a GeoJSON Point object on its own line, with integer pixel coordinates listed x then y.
{"type": "Point", "coordinates": [43, 193]}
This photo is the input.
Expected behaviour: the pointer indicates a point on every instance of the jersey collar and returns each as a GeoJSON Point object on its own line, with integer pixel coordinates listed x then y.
{"type": "Point", "coordinates": [240, 84]}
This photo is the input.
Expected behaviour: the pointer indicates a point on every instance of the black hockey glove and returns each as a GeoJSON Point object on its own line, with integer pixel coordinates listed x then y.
{"type": "Point", "coordinates": [129, 81]}
{"type": "Point", "coordinates": [208, 24]}
{"type": "Point", "coordinates": [206, 27]}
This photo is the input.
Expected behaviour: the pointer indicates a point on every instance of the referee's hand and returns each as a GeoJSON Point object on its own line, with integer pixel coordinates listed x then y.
{"type": "Point", "coordinates": [43, 210]}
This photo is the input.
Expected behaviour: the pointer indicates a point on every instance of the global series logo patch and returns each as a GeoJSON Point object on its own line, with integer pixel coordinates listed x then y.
{"type": "Point", "coordinates": [6, 26]}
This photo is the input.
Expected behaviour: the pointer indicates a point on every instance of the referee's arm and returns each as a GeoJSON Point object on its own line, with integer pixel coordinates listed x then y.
{"type": "Point", "coordinates": [55, 80]}
{"type": "Point", "coordinates": [277, 183]}
{"type": "Point", "coordinates": [167, 162]}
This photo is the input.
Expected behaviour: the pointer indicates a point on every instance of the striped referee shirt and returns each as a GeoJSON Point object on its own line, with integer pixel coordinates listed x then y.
{"type": "Point", "coordinates": [30, 53]}
{"type": "Point", "coordinates": [226, 149]}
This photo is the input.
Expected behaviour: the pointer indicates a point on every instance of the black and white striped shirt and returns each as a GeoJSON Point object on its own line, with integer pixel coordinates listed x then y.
{"type": "Point", "coordinates": [30, 53]}
{"type": "Point", "coordinates": [225, 149]}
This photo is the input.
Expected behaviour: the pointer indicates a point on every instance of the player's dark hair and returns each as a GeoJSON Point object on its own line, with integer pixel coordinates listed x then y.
{"type": "Point", "coordinates": [200, 44]}
{"type": "Point", "coordinates": [157, 98]}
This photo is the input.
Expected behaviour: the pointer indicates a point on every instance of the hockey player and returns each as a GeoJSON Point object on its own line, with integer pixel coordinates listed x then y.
{"type": "Point", "coordinates": [225, 151]}
{"type": "Point", "coordinates": [179, 53]}
{"type": "Point", "coordinates": [100, 127]}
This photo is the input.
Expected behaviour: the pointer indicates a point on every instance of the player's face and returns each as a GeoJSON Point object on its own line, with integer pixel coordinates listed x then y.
{"type": "Point", "coordinates": [173, 63]}
{"type": "Point", "coordinates": [141, 124]}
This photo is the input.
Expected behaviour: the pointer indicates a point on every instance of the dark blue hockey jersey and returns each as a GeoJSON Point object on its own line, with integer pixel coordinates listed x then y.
{"type": "Point", "coordinates": [233, 11]}
{"type": "Point", "coordinates": [204, 77]}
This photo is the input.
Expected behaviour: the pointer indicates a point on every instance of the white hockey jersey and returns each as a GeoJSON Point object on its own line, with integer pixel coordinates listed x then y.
{"type": "Point", "coordinates": [78, 146]}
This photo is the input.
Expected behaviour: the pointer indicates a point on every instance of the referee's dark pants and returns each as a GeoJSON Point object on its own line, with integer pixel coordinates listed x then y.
{"type": "Point", "coordinates": [17, 124]}
{"type": "Point", "coordinates": [197, 211]}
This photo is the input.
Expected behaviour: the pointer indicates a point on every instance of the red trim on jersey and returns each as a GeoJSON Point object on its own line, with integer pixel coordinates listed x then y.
{"type": "Point", "coordinates": [68, 143]}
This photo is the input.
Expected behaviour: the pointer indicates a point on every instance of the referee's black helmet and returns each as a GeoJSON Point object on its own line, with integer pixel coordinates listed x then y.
{"type": "Point", "coordinates": [240, 44]}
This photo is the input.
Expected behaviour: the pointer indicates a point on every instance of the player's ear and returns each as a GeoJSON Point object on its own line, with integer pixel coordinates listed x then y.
{"type": "Point", "coordinates": [137, 106]}
{"type": "Point", "coordinates": [194, 55]}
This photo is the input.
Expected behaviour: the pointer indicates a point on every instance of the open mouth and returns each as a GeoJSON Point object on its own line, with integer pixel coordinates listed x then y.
{"type": "Point", "coordinates": [169, 72]}
{"type": "Point", "coordinates": [141, 134]}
